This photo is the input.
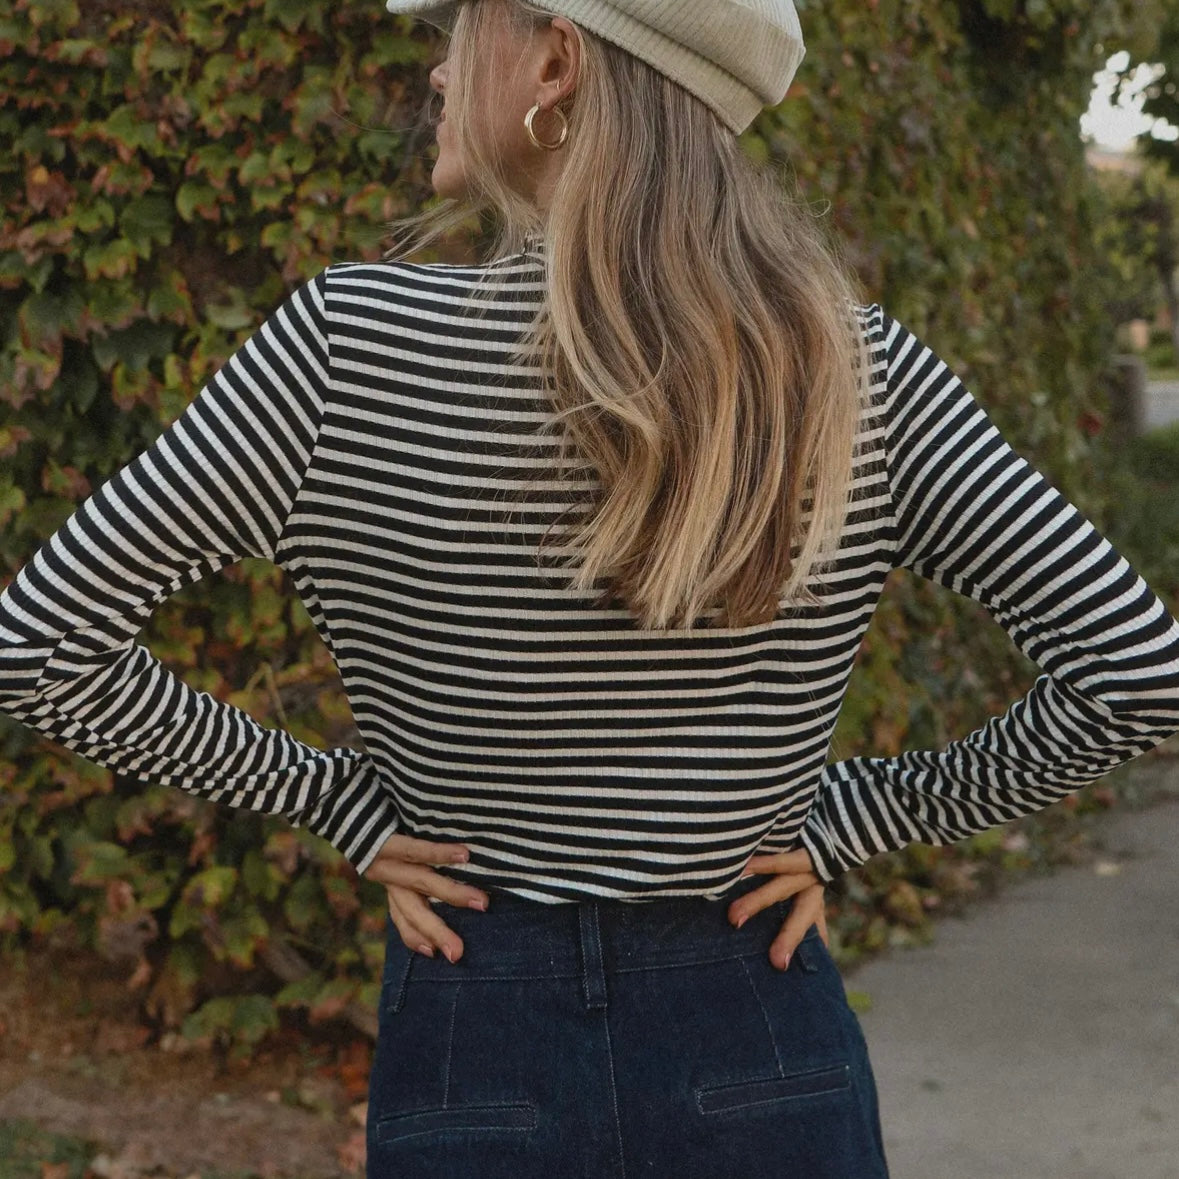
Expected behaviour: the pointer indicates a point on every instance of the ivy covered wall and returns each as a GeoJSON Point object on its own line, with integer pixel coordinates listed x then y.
{"type": "Point", "coordinates": [170, 171]}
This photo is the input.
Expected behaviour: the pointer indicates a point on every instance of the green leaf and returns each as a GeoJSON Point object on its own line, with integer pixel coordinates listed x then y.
{"type": "Point", "coordinates": [155, 889]}
{"type": "Point", "coordinates": [39, 858]}
{"type": "Point", "coordinates": [57, 14]}
{"type": "Point", "coordinates": [294, 14]}
{"type": "Point", "coordinates": [255, 167]}
{"type": "Point", "coordinates": [40, 320]}
{"type": "Point", "coordinates": [212, 1017]}
{"type": "Point", "coordinates": [303, 904]}
{"type": "Point", "coordinates": [211, 888]}
{"type": "Point", "coordinates": [195, 200]}
{"type": "Point", "coordinates": [37, 274]}
{"type": "Point", "coordinates": [232, 316]}
{"type": "Point", "coordinates": [259, 876]}
{"type": "Point", "coordinates": [185, 918]}
{"type": "Point", "coordinates": [388, 47]}
{"type": "Point", "coordinates": [166, 55]}
{"type": "Point", "coordinates": [167, 301]}
{"type": "Point", "coordinates": [253, 1017]}
{"type": "Point", "coordinates": [147, 221]}
{"type": "Point", "coordinates": [111, 302]}
{"type": "Point", "coordinates": [301, 992]}
{"type": "Point", "coordinates": [99, 862]}
{"type": "Point", "coordinates": [134, 346]}
{"type": "Point", "coordinates": [987, 842]}
{"type": "Point", "coordinates": [242, 935]}
{"type": "Point", "coordinates": [112, 259]}
{"type": "Point", "coordinates": [12, 500]}
{"type": "Point", "coordinates": [331, 999]}
{"type": "Point", "coordinates": [78, 50]}
{"type": "Point", "coordinates": [127, 126]}
{"type": "Point", "coordinates": [264, 198]}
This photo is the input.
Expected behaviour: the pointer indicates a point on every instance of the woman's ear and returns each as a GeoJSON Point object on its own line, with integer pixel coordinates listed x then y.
{"type": "Point", "coordinates": [560, 62]}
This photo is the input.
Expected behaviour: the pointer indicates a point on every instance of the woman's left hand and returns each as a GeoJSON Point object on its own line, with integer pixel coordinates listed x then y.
{"type": "Point", "coordinates": [794, 876]}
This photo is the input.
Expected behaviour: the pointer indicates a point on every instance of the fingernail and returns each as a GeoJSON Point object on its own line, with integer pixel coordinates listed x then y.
{"type": "Point", "coordinates": [784, 963]}
{"type": "Point", "coordinates": [451, 954]}
{"type": "Point", "coordinates": [741, 921]}
{"type": "Point", "coordinates": [427, 950]}
{"type": "Point", "coordinates": [480, 905]}
{"type": "Point", "coordinates": [462, 857]}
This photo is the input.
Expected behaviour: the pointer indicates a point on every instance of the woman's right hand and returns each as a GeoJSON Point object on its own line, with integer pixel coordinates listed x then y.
{"type": "Point", "coordinates": [402, 866]}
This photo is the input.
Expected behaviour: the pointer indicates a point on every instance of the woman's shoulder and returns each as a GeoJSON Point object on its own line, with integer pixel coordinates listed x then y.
{"type": "Point", "coordinates": [871, 320]}
{"type": "Point", "coordinates": [349, 284]}
{"type": "Point", "coordinates": [517, 267]}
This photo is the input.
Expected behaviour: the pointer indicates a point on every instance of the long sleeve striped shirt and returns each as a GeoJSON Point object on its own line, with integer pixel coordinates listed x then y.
{"type": "Point", "coordinates": [378, 441]}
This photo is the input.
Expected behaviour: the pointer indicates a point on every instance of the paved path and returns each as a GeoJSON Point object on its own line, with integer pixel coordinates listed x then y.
{"type": "Point", "coordinates": [1162, 404]}
{"type": "Point", "coordinates": [1038, 1038]}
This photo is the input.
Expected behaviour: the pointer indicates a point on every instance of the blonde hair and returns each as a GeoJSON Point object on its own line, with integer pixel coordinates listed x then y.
{"type": "Point", "coordinates": [698, 334]}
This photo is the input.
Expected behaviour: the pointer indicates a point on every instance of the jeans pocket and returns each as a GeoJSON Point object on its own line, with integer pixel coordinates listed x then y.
{"type": "Point", "coordinates": [816, 1082]}
{"type": "Point", "coordinates": [394, 977]}
{"type": "Point", "coordinates": [810, 953]}
{"type": "Point", "coordinates": [512, 1117]}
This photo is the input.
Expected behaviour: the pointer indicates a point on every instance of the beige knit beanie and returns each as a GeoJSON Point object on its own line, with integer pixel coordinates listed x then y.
{"type": "Point", "coordinates": [736, 55]}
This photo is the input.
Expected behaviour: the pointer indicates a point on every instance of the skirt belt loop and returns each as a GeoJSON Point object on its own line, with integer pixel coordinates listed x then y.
{"type": "Point", "coordinates": [593, 971]}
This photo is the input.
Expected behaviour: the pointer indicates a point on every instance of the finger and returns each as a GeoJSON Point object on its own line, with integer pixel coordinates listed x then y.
{"type": "Point", "coordinates": [804, 912]}
{"type": "Point", "coordinates": [435, 886]}
{"type": "Point", "coordinates": [788, 862]}
{"type": "Point", "coordinates": [428, 927]}
{"type": "Point", "coordinates": [778, 888]}
{"type": "Point", "coordinates": [405, 849]}
{"type": "Point", "coordinates": [410, 935]}
{"type": "Point", "coordinates": [422, 877]}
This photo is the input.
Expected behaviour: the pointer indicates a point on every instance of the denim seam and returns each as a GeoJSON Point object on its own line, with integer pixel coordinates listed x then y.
{"type": "Point", "coordinates": [765, 1015]}
{"type": "Point", "coordinates": [505, 978]}
{"type": "Point", "coordinates": [614, 1095]}
{"type": "Point", "coordinates": [598, 962]}
{"type": "Point", "coordinates": [450, 1046]}
{"type": "Point", "coordinates": [399, 998]}
{"type": "Point", "coordinates": [567, 974]}
{"type": "Point", "coordinates": [528, 1106]}
{"type": "Point", "coordinates": [687, 962]}
{"type": "Point", "coordinates": [805, 953]}
{"type": "Point", "coordinates": [847, 1084]}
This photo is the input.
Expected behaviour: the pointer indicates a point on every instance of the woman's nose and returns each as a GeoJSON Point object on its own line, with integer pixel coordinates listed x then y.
{"type": "Point", "coordinates": [438, 76]}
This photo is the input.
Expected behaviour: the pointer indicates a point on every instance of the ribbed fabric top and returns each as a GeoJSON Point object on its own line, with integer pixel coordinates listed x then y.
{"type": "Point", "coordinates": [375, 439]}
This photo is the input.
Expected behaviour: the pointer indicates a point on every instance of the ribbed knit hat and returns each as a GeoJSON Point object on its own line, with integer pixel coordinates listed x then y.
{"type": "Point", "coordinates": [736, 55]}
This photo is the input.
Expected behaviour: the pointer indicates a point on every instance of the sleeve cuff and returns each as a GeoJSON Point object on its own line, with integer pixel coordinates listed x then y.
{"type": "Point", "coordinates": [357, 817]}
{"type": "Point", "coordinates": [827, 865]}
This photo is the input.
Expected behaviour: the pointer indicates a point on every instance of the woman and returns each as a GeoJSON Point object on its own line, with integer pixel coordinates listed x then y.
{"type": "Point", "coordinates": [594, 531]}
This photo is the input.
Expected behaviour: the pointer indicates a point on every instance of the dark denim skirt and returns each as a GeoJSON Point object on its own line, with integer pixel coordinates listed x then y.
{"type": "Point", "coordinates": [609, 1040]}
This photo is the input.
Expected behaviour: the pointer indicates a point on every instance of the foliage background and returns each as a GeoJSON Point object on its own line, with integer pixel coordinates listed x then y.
{"type": "Point", "coordinates": [1162, 97]}
{"type": "Point", "coordinates": [170, 171]}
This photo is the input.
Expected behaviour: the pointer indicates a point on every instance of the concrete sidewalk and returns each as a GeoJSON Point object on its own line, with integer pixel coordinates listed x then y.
{"type": "Point", "coordinates": [1162, 404]}
{"type": "Point", "coordinates": [1038, 1037]}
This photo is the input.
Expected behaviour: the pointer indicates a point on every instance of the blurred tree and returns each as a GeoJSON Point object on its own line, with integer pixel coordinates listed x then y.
{"type": "Point", "coordinates": [1157, 208]}
{"type": "Point", "coordinates": [1148, 209]}
{"type": "Point", "coordinates": [1162, 96]}
{"type": "Point", "coordinates": [1141, 238]}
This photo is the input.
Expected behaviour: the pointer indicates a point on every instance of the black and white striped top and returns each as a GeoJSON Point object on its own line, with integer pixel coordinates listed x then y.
{"type": "Point", "coordinates": [376, 441]}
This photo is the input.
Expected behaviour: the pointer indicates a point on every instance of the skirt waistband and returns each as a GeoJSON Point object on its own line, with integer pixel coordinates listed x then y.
{"type": "Point", "coordinates": [519, 938]}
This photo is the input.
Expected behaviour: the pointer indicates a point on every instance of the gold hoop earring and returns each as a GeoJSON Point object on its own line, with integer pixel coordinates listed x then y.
{"type": "Point", "coordinates": [528, 119]}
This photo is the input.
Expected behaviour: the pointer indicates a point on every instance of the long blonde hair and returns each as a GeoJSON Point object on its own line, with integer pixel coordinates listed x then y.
{"type": "Point", "coordinates": [698, 334]}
